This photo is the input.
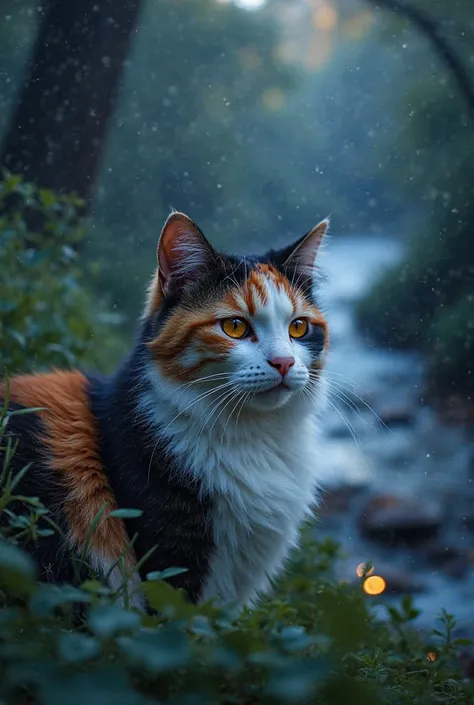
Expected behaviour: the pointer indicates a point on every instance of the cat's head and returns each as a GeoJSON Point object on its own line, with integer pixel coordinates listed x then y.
{"type": "Point", "coordinates": [246, 332]}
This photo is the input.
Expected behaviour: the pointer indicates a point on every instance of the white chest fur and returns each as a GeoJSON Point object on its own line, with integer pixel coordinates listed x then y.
{"type": "Point", "coordinates": [263, 487]}
{"type": "Point", "coordinates": [262, 475]}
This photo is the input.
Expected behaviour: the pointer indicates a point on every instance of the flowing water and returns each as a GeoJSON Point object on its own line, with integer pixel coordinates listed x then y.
{"type": "Point", "coordinates": [414, 456]}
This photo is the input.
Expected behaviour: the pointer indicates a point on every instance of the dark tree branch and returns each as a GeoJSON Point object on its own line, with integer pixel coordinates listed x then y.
{"type": "Point", "coordinates": [433, 33]}
{"type": "Point", "coordinates": [58, 130]}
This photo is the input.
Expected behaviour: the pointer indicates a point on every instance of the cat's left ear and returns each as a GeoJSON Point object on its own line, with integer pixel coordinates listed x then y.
{"type": "Point", "coordinates": [304, 252]}
{"type": "Point", "coordinates": [183, 253]}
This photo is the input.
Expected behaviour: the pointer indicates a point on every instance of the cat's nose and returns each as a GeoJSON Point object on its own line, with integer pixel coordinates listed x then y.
{"type": "Point", "coordinates": [282, 364]}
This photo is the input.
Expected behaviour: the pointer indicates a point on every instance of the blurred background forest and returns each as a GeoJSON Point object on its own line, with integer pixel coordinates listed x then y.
{"type": "Point", "coordinates": [258, 118]}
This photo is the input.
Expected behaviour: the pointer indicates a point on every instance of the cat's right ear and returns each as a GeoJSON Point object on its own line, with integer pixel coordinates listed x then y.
{"type": "Point", "coordinates": [183, 253]}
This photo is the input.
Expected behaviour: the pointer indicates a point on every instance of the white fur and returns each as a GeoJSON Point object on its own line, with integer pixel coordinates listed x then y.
{"type": "Point", "coordinates": [259, 462]}
{"type": "Point", "coordinates": [130, 581]}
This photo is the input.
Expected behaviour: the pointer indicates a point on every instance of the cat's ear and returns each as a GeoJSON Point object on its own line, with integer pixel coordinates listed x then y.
{"type": "Point", "coordinates": [304, 252]}
{"type": "Point", "coordinates": [183, 253]}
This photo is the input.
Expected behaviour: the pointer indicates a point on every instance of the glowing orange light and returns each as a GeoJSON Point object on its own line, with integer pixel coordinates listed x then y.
{"type": "Point", "coordinates": [273, 99]}
{"type": "Point", "coordinates": [432, 656]}
{"type": "Point", "coordinates": [325, 17]}
{"type": "Point", "coordinates": [374, 585]}
{"type": "Point", "coordinates": [361, 568]}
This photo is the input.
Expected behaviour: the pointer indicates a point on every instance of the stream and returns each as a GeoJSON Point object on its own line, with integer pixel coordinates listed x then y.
{"type": "Point", "coordinates": [399, 490]}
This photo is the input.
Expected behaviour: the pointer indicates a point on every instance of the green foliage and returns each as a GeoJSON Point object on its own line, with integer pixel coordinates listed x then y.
{"type": "Point", "coordinates": [427, 301]}
{"type": "Point", "coordinates": [48, 314]}
{"type": "Point", "coordinates": [314, 641]}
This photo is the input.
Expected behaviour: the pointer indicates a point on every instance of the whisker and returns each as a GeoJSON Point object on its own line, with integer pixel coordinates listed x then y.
{"type": "Point", "coordinates": [236, 393]}
{"type": "Point", "coordinates": [357, 396]}
{"type": "Point", "coordinates": [220, 401]}
{"type": "Point", "coordinates": [216, 376]}
{"type": "Point", "coordinates": [345, 399]}
{"type": "Point", "coordinates": [348, 425]}
{"type": "Point", "coordinates": [195, 401]}
{"type": "Point", "coordinates": [240, 396]}
{"type": "Point", "coordinates": [249, 393]}
{"type": "Point", "coordinates": [313, 394]}
{"type": "Point", "coordinates": [200, 397]}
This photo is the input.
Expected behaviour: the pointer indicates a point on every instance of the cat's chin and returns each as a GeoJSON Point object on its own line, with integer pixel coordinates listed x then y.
{"type": "Point", "coordinates": [271, 399]}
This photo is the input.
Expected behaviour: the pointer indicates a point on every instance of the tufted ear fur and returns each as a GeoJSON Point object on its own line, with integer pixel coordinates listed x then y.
{"type": "Point", "coordinates": [302, 254]}
{"type": "Point", "coordinates": [183, 253]}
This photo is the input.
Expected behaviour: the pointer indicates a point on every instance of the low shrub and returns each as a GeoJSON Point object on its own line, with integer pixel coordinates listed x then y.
{"type": "Point", "coordinates": [313, 641]}
{"type": "Point", "coordinates": [49, 313]}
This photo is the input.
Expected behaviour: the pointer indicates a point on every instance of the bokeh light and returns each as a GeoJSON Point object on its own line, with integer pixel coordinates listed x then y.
{"type": "Point", "coordinates": [325, 17]}
{"type": "Point", "coordinates": [362, 568]}
{"type": "Point", "coordinates": [374, 585]}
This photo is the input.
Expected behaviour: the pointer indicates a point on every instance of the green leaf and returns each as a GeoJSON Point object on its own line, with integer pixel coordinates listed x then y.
{"type": "Point", "coordinates": [95, 587]}
{"type": "Point", "coordinates": [47, 197]}
{"type": "Point", "coordinates": [17, 570]}
{"type": "Point", "coordinates": [104, 687]}
{"type": "Point", "coordinates": [108, 620]}
{"type": "Point", "coordinates": [297, 680]}
{"type": "Point", "coordinates": [166, 600]}
{"type": "Point", "coordinates": [165, 650]}
{"type": "Point", "coordinates": [77, 648]}
{"type": "Point", "coordinates": [126, 513]}
{"type": "Point", "coordinates": [165, 574]}
{"type": "Point", "coordinates": [295, 638]}
{"type": "Point", "coordinates": [49, 597]}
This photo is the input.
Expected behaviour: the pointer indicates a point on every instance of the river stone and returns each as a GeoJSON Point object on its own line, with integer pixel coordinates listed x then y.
{"type": "Point", "coordinates": [451, 560]}
{"type": "Point", "coordinates": [392, 520]}
{"type": "Point", "coordinates": [339, 500]}
{"type": "Point", "coordinates": [343, 464]}
{"type": "Point", "coordinates": [400, 582]}
{"type": "Point", "coordinates": [401, 415]}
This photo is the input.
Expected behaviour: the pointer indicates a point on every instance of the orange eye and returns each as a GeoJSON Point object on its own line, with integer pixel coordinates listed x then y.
{"type": "Point", "coordinates": [235, 327]}
{"type": "Point", "coordinates": [298, 328]}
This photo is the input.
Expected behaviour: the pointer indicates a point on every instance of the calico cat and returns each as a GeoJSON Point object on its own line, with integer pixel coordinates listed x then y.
{"type": "Point", "coordinates": [209, 427]}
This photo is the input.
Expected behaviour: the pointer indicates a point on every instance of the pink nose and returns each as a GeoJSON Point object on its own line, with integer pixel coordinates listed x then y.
{"type": "Point", "coordinates": [282, 364]}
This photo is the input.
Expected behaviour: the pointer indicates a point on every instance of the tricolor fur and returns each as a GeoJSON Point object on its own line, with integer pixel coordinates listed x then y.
{"type": "Point", "coordinates": [211, 434]}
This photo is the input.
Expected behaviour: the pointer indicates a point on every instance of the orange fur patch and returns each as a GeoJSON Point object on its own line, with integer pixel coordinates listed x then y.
{"type": "Point", "coordinates": [206, 339]}
{"type": "Point", "coordinates": [178, 332]}
{"type": "Point", "coordinates": [71, 442]}
{"type": "Point", "coordinates": [198, 327]}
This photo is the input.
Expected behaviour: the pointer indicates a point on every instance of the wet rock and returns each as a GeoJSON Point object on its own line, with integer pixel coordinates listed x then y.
{"type": "Point", "coordinates": [401, 583]}
{"type": "Point", "coordinates": [396, 416]}
{"type": "Point", "coordinates": [339, 500]}
{"type": "Point", "coordinates": [451, 560]}
{"type": "Point", "coordinates": [455, 409]}
{"type": "Point", "coordinates": [343, 464]}
{"type": "Point", "coordinates": [466, 661]}
{"type": "Point", "coordinates": [392, 520]}
{"type": "Point", "coordinates": [395, 449]}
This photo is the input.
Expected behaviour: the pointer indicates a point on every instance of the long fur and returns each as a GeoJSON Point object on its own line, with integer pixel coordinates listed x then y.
{"type": "Point", "coordinates": [194, 429]}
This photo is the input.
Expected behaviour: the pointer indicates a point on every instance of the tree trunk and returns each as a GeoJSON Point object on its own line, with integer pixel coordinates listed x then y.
{"type": "Point", "coordinates": [444, 50]}
{"type": "Point", "coordinates": [58, 129]}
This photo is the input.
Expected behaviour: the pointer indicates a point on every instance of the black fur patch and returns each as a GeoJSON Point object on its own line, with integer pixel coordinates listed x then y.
{"type": "Point", "coordinates": [49, 552]}
{"type": "Point", "coordinates": [143, 475]}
